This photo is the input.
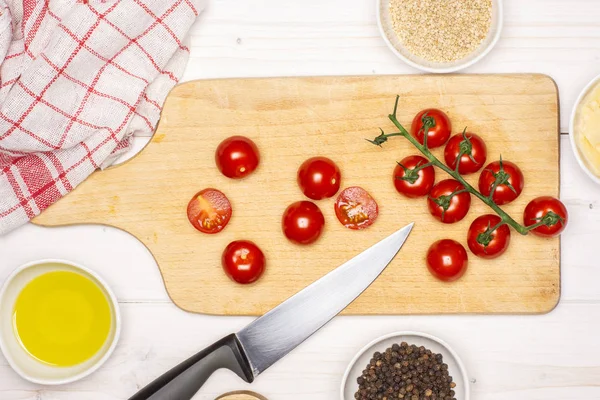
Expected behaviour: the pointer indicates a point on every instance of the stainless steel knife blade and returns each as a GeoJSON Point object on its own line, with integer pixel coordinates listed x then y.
{"type": "Point", "coordinates": [259, 345]}
{"type": "Point", "coordinates": [275, 334]}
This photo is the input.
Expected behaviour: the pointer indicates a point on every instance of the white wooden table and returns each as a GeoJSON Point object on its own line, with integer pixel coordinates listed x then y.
{"type": "Point", "coordinates": [548, 357]}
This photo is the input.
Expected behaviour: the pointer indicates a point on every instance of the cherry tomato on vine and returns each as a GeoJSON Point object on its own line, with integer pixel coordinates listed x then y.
{"type": "Point", "coordinates": [483, 242]}
{"type": "Point", "coordinates": [447, 260]}
{"type": "Point", "coordinates": [209, 211]}
{"type": "Point", "coordinates": [237, 157]}
{"type": "Point", "coordinates": [449, 201]}
{"type": "Point", "coordinates": [355, 208]}
{"type": "Point", "coordinates": [411, 179]}
{"type": "Point", "coordinates": [440, 127]}
{"type": "Point", "coordinates": [243, 261]}
{"type": "Point", "coordinates": [303, 222]}
{"type": "Point", "coordinates": [319, 177]}
{"type": "Point", "coordinates": [552, 212]}
{"type": "Point", "coordinates": [472, 149]}
{"type": "Point", "coordinates": [507, 177]}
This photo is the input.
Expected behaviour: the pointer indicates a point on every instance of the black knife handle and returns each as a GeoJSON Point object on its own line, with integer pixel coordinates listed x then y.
{"type": "Point", "coordinates": [184, 380]}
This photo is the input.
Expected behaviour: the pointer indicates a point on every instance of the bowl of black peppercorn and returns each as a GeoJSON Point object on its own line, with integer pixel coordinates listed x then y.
{"type": "Point", "coordinates": [406, 366]}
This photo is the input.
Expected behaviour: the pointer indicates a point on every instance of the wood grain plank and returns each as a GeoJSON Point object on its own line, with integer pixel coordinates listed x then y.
{"type": "Point", "coordinates": [295, 118]}
{"type": "Point", "coordinates": [509, 357]}
{"type": "Point", "coordinates": [313, 37]}
{"type": "Point", "coordinates": [132, 272]}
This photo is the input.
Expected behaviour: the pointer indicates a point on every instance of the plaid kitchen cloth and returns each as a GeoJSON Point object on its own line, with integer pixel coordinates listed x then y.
{"type": "Point", "coordinates": [77, 79]}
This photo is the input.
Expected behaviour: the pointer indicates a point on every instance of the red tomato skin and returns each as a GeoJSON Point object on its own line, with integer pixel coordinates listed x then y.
{"type": "Point", "coordinates": [319, 178]}
{"type": "Point", "coordinates": [424, 182]}
{"type": "Point", "coordinates": [447, 260]}
{"type": "Point", "coordinates": [356, 209]}
{"type": "Point", "coordinates": [539, 207]}
{"type": "Point", "coordinates": [243, 261]}
{"type": "Point", "coordinates": [216, 218]}
{"type": "Point", "coordinates": [439, 134]}
{"type": "Point", "coordinates": [466, 165]}
{"type": "Point", "coordinates": [237, 157]}
{"type": "Point", "coordinates": [503, 193]}
{"type": "Point", "coordinates": [500, 237]}
{"type": "Point", "coordinates": [459, 205]}
{"type": "Point", "coordinates": [303, 222]}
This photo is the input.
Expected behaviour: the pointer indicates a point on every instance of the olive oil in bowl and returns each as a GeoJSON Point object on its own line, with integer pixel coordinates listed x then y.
{"type": "Point", "coordinates": [59, 321]}
{"type": "Point", "coordinates": [62, 318]}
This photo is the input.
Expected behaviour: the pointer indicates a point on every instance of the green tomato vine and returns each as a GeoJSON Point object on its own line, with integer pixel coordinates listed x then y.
{"type": "Point", "coordinates": [501, 177]}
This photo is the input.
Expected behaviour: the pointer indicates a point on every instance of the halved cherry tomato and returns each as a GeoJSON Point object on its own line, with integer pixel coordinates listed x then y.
{"type": "Point", "coordinates": [449, 201]}
{"type": "Point", "coordinates": [355, 208]}
{"type": "Point", "coordinates": [551, 213]}
{"type": "Point", "coordinates": [484, 242]}
{"type": "Point", "coordinates": [243, 261]}
{"type": "Point", "coordinates": [472, 149]}
{"type": "Point", "coordinates": [447, 260]}
{"type": "Point", "coordinates": [303, 222]}
{"type": "Point", "coordinates": [319, 178]}
{"type": "Point", "coordinates": [209, 211]}
{"type": "Point", "coordinates": [237, 157]}
{"type": "Point", "coordinates": [507, 178]}
{"type": "Point", "coordinates": [439, 127]}
{"type": "Point", "coordinates": [411, 179]}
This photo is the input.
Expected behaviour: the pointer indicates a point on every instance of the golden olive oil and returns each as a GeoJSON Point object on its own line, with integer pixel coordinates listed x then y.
{"type": "Point", "coordinates": [62, 318]}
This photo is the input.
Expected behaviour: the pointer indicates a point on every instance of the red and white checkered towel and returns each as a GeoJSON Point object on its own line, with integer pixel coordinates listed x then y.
{"type": "Point", "coordinates": [77, 79]}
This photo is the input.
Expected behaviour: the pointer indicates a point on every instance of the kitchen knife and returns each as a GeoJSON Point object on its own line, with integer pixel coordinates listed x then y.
{"type": "Point", "coordinates": [269, 338]}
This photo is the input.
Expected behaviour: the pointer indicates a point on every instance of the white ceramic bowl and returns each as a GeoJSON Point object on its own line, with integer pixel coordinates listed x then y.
{"type": "Point", "coordinates": [384, 20]}
{"type": "Point", "coordinates": [25, 365]}
{"type": "Point", "coordinates": [456, 368]}
{"type": "Point", "coordinates": [580, 157]}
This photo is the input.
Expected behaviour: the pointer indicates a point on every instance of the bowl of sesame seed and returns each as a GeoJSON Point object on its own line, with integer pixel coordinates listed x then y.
{"type": "Point", "coordinates": [440, 36]}
{"type": "Point", "coordinates": [406, 366]}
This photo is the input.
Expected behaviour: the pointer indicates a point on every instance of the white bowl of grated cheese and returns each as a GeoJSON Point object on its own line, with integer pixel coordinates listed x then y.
{"type": "Point", "coordinates": [584, 130]}
{"type": "Point", "coordinates": [440, 36]}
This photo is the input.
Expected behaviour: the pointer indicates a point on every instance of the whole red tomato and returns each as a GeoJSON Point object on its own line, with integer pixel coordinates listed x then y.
{"type": "Point", "coordinates": [303, 222]}
{"type": "Point", "coordinates": [484, 242]}
{"type": "Point", "coordinates": [412, 179]}
{"type": "Point", "coordinates": [319, 178]}
{"type": "Point", "coordinates": [550, 213]}
{"type": "Point", "coordinates": [356, 208]}
{"type": "Point", "coordinates": [507, 179]}
{"type": "Point", "coordinates": [209, 211]}
{"type": "Point", "coordinates": [237, 157]}
{"type": "Point", "coordinates": [447, 260]}
{"type": "Point", "coordinates": [439, 127]}
{"type": "Point", "coordinates": [449, 201]}
{"type": "Point", "coordinates": [472, 151]}
{"type": "Point", "coordinates": [243, 261]}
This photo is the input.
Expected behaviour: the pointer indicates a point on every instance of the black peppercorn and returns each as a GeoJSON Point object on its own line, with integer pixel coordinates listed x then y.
{"type": "Point", "coordinates": [406, 372]}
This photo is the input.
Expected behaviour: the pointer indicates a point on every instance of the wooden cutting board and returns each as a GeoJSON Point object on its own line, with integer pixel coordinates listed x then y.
{"type": "Point", "coordinates": [292, 119]}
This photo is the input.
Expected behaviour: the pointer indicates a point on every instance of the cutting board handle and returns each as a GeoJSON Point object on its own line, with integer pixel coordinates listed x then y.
{"type": "Point", "coordinates": [183, 381]}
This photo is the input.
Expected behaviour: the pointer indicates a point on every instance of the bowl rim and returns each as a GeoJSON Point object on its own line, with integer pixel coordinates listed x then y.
{"type": "Point", "coordinates": [459, 362]}
{"type": "Point", "coordinates": [94, 367]}
{"type": "Point", "coordinates": [443, 70]}
{"type": "Point", "coordinates": [574, 146]}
